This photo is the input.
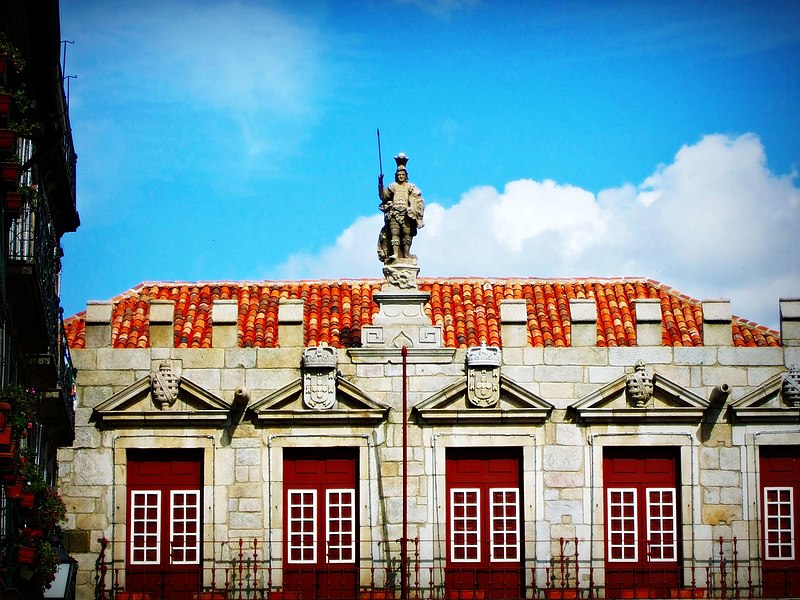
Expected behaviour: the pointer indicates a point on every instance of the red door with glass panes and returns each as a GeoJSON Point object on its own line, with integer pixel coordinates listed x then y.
{"type": "Point", "coordinates": [484, 524]}
{"type": "Point", "coordinates": [642, 521]}
{"type": "Point", "coordinates": [780, 507]}
{"type": "Point", "coordinates": [164, 523]}
{"type": "Point", "coordinates": [321, 522]}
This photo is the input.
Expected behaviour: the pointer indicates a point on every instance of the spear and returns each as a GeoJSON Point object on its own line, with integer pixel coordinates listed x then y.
{"type": "Point", "coordinates": [380, 159]}
{"type": "Point", "coordinates": [380, 177]}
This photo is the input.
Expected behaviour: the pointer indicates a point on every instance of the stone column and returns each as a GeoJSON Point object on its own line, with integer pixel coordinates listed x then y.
{"type": "Point", "coordinates": [648, 321]}
{"type": "Point", "coordinates": [98, 324]}
{"type": "Point", "coordinates": [583, 314]}
{"type": "Point", "coordinates": [162, 332]}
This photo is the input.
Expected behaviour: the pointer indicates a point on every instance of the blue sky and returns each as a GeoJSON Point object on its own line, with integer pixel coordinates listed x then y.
{"type": "Point", "coordinates": [236, 141]}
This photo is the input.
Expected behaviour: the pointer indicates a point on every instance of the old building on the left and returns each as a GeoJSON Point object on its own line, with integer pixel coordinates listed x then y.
{"type": "Point", "coordinates": [37, 392]}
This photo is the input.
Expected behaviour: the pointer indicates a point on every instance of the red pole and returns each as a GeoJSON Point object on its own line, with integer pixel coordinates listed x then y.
{"type": "Point", "coordinates": [403, 559]}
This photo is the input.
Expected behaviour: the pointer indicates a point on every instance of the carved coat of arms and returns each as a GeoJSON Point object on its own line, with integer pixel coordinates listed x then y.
{"type": "Point", "coordinates": [791, 387]}
{"type": "Point", "coordinates": [319, 377]}
{"type": "Point", "coordinates": [639, 386]}
{"type": "Point", "coordinates": [483, 376]}
{"type": "Point", "coordinates": [165, 386]}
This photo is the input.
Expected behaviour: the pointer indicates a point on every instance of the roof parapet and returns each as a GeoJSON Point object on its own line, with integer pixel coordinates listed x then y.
{"type": "Point", "coordinates": [583, 314]}
{"type": "Point", "coordinates": [291, 317]}
{"type": "Point", "coordinates": [225, 324]}
{"type": "Point", "coordinates": [162, 321]}
{"type": "Point", "coordinates": [648, 321]}
{"type": "Point", "coordinates": [514, 323]}
{"type": "Point", "coordinates": [790, 321]}
{"type": "Point", "coordinates": [98, 324]}
{"type": "Point", "coordinates": [717, 329]}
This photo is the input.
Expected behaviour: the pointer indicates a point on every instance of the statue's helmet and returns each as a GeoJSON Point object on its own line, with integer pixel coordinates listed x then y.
{"type": "Point", "coordinates": [401, 159]}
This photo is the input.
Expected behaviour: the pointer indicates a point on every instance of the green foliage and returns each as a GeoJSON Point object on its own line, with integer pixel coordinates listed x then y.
{"type": "Point", "coordinates": [46, 565]}
{"type": "Point", "coordinates": [24, 409]}
{"type": "Point", "coordinates": [14, 55]}
{"type": "Point", "coordinates": [48, 511]}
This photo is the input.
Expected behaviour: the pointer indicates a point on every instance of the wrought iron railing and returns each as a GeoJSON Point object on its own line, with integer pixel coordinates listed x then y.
{"type": "Point", "coordinates": [32, 242]}
{"type": "Point", "coordinates": [247, 570]}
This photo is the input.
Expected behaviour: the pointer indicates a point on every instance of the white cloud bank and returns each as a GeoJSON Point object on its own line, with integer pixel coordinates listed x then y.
{"type": "Point", "coordinates": [716, 222]}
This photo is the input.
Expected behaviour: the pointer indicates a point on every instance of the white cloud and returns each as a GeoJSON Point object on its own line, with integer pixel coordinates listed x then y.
{"type": "Point", "coordinates": [248, 65]}
{"type": "Point", "coordinates": [716, 222]}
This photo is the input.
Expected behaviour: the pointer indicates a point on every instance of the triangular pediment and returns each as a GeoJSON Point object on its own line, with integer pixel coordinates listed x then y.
{"type": "Point", "coordinates": [136, 406]}
{"type": "Point", "coordinates": [668, 403]}
{"type": "Point", "coordinates": [765, 404]}
{"type": "Point", "coordinates": [352, 406]}
{"type": "Point", "coordinates": [515, 405]}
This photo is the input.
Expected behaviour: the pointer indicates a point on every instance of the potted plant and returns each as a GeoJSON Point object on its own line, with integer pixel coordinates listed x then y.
{"type": "Point", "coordinates": [10, 56]}
{"type": "Point", "coordinates": [48, 510]}
{"type": "Point", "coordinates": [13, 201]}
{"type": "Point", "coordinates": [24, 406]}
{"type": "Point", "coordinates": [5, 106]}
{"type": "Point", "coordinates": [9, 171]}
{"type": "Point", "coordinates": [7, 139]}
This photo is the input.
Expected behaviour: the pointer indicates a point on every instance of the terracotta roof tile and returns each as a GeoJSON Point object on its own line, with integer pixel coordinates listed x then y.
{"type": "Point", "coordinates": [467, 310]}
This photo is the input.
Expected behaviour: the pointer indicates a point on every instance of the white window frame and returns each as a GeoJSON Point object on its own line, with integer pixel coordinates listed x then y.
{"type": "Point", "coordinates": [673, 547]}
{"type": "Point", "coordinates": [291, 520]}
{"type": "Point", "coordinates": [507, 548]}
{"type": "Point", "coordinates": [342, 548]}
{"type": "Point", "coordinates": [477, 529]}
{"type": "Point", "coordinates": [135, 537]}
{"type": "Point", "coordinates": [768, 547]}
{"type": "Point", "coordinates": [189, 494]}
{"type": "Point", "coordinates": [634, 520]}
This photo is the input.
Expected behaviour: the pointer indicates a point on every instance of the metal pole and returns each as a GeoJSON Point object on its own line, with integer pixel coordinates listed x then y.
{"type": "Point", "coordinates": [404, 539]}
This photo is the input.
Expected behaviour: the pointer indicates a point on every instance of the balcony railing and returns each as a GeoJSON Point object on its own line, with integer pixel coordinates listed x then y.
{"type": "Point", "coordinates": [247, 570]}
{"type": "Point", "coordinates": [32, 245]}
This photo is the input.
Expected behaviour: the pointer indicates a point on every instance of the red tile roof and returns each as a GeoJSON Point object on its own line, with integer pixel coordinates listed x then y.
{"type": "Point", "coordinates": [468, 310]}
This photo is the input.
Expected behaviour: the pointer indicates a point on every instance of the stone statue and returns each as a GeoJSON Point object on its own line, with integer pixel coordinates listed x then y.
{"type": "Point", "coordinates": [403, 208]}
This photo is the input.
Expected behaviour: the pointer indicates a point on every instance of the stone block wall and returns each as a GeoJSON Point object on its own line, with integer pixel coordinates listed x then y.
{"type": "Point", "coordinates": [562, 453]}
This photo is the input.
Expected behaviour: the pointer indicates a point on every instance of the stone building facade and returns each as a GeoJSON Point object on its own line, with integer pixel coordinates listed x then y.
{"type": "Point", "coordinates": [594, 438]}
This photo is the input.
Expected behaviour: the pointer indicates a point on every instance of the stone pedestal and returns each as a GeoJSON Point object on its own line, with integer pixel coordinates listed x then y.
{"type": "Point", "coordinates": [402, 320]}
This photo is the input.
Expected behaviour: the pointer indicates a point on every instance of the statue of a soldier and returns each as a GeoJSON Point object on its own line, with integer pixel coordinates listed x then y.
{"type": "Point", "coordinates": [403, 208]}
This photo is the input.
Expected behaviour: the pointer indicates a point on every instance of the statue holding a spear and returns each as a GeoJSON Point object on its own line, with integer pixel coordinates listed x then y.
{"type": "Point", "coordinates": [403, 207]}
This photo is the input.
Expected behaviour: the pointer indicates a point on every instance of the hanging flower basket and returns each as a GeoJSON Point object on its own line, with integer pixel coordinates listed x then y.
{"type": "Point", "coordinates": [26, 555]}
{"type": "Point", "coordinates": [15, 490]}
{"type": "Point", "coordinates": [8, 455]}
{"type": "Point", "coordinates": [27, 499]}
{"type": "Point", "coordinates": [13, 202]}
{"type": "Point", "coordinates": [7, 138]}
{"type": "Point", "coordinates": [5, 107]}
{"type": "Point", "coordinates": [9, 173]}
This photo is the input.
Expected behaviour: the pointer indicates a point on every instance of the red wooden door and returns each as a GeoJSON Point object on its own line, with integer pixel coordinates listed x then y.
{"type": "Point", "coordinates": [780, 508]}
{"type": "Point", "coordinates": [642, 522]}
{"type": "Point", "coordinates": [164, 523]}
{"type": "Point", "coordinates": [484, 527]}
{"type": "Point", "coordinates": [321, 520]}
